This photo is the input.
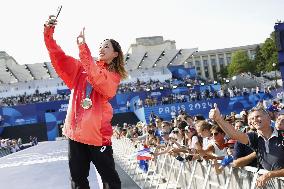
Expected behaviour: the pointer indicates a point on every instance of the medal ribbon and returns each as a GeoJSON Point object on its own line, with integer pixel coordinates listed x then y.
{"type": "Point", "coordinates": [89, 89]}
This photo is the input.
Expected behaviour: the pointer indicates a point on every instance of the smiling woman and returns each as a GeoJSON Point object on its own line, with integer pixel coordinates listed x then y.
{"type": "Point", "coordinates": [87, 124]}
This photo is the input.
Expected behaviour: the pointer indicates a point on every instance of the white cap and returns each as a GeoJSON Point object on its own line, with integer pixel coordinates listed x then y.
{"type": "Point", "coordinates": [176, 129]}
{"type": "Point", "coordinates": [242, 113]}
{"type": "Point", "coordinates": [238, 116]}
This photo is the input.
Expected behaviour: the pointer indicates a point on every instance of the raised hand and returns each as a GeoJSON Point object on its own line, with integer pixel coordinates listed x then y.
{"type": "Point", "coordinates": [51, 22]}
{"type": "Point", "coordinates": [215, 114]}
{"type": "Point", "coordinates": [81, 37]}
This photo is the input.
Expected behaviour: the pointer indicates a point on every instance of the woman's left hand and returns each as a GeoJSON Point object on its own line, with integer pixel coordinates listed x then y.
{"type": "Point", "coordinates": [262, 180]}
{"type": "Point", "coordinates": [81, 37]}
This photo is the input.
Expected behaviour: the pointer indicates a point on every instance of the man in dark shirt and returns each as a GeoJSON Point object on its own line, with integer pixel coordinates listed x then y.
{"type": "Point", "coordinates": [266, 141]}
{"type": "Point", "coordinates": [270, 151]}
{"type": "Point", "coordinates": [242, 150]}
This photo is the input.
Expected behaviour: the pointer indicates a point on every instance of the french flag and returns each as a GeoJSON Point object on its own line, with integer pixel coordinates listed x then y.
{"type": "Point", "coordinates": [144, 154]}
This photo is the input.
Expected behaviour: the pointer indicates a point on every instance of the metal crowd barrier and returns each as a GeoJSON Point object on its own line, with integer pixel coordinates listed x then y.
{"type": "Point", "coordinates": [4, 151]}
{"type": "Point", "coordinates": [166, 172]}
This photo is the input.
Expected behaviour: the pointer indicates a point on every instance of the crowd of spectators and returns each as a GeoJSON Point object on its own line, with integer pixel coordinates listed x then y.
{"type": "Point", "coordinates": [193, 95]}
{"type": "Point", "coordinates": [189, 95]}
{"type": "Point", "coordinates": [33, 98]}
{"type": "Point", "coordinates": [219, 139]}
{"type": "Point", "coordinates": [186, 96]}
{"type": "Point", "coordinates": [151, 85]}
{"type": "Point", "coordinates": [8, 146]}
{"type": "Point", "coordinates": [154, 85]}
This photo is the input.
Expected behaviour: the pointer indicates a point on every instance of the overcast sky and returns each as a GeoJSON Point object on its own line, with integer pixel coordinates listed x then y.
{"type": "Point", "coordinates": [206, 24]}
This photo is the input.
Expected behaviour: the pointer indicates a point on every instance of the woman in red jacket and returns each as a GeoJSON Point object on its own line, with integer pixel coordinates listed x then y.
{"type": "Point", "coordinates": [87, 125]}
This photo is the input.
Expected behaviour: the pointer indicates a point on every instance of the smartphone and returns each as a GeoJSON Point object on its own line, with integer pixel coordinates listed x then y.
{"type": "Point", "coordinates": [58, 11]}
{"type": "Point", "coordinates": [179, 158]}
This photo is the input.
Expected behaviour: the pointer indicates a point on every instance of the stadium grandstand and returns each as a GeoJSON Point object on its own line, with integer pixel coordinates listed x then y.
{"type": "Point", "coordinates": [168, 91]}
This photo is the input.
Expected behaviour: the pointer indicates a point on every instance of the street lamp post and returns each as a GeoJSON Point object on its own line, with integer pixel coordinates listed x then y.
{"type": "Point", "coordinates": [274, 66]}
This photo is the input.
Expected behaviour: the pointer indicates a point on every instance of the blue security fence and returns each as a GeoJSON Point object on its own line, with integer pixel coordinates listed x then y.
{"type": "Point", "coordinates": [48, 113]}
{"type": "Point", "coordinates": [30, 113]}
{"type": "Point", "coordinates": [119, 101]}
{"type": "Point", "coordinates": [226, 105]}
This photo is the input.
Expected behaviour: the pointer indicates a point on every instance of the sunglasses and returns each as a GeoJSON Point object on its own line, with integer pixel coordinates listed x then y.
{"type": "Point", "coordinates": [165, 133]}
{"type": "Point", "coordinates": [190, 130]}
{"type": "Point", "coordinates": [215, 134]}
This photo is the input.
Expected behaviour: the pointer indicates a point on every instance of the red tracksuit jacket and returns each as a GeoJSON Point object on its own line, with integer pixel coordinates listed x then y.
{"type": "Point", "coordinates": [91, 126]}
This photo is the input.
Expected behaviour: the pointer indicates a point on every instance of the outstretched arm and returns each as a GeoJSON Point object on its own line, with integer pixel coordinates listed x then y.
{"type": "Point", "coordinates": [65, 66]}
{"type": "Point", "coordinates": [244, 161]}
{"type": "Point", "coordinates": [102, 80]}
{"type": "Point", "coordinates": [215, 115]}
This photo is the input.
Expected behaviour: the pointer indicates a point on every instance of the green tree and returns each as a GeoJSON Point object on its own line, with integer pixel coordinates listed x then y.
{"type": "Point", "coordinates": [266, 55]}
{"type": "Point", "coordinates": [269, 52]}
{"type": "Point", "coordinates": [259, 61]}
{"type": "Point", "coordinates": [240, 63]}
{"type": "Point", "coordinates": [223, 73]}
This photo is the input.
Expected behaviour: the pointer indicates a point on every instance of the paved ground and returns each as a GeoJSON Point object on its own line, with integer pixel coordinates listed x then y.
{"type": "Point", "coordinates": [45, 166]}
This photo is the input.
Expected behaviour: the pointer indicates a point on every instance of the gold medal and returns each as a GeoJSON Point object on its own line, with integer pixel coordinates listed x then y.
{"type": "Point", "coordinates": [86, 103]}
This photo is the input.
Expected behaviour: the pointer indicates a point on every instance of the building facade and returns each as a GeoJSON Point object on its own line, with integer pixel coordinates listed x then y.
{"type": "Point", "coordinates": [209, 63]}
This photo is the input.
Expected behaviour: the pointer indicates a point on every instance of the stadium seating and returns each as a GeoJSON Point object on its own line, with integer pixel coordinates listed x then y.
{"type": "Point", "coordinates": [134, 60]}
